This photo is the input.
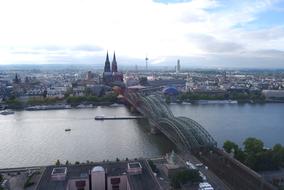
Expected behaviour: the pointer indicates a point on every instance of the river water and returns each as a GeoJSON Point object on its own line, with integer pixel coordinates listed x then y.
{"type": "Point", "coordinates": [31, 138]}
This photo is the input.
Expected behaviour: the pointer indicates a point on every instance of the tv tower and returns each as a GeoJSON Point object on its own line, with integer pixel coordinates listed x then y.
{"type": "Point", "coordinates": [146, 60]}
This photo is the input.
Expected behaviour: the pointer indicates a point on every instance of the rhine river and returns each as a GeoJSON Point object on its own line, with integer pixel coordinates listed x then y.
{"type": "Point", "coordinates": [30, 138]}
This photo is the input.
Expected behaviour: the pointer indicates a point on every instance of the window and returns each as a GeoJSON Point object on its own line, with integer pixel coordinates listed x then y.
{"type": "Point", "coordinates": [115, 180]}
{"type": "Point", "coordinates": [115, 187]}
{"type": "Point", "coordinates": [80, 185]}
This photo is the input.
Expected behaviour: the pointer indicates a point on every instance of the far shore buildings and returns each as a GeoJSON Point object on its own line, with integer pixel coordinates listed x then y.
{"type": "Point", "coordinates": [178, 67]}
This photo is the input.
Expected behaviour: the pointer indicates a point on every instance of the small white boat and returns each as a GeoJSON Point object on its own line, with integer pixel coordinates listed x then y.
{"type": "Point", "coordinates": [6, 112]}
{"type": "Point", "coordinates": [85, 106]}
{"type": "Point", "coordinates": [81, 106]}
{"type": "Point", "coordinates": [89, 106]}
{"type": "Point", "coordinates": [116, 105]}
{"type": "Point", "coordinates": [100, 117]}
{"type": "Point", "coordinates": [186, 103]}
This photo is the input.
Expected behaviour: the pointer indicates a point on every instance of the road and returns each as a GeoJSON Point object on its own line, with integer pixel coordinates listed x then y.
{"type": "Point", "coordinates": [215, 181]}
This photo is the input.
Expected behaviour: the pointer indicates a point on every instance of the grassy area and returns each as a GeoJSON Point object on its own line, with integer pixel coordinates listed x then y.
{"type": "Point", "coordinates": [43, 101]}
{"type": "Point", "coordinates": [73, 100]}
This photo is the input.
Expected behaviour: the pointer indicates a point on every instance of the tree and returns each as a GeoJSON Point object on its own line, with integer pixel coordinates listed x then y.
{"type": "Point", "coordinates": [14, 103]}
{"type": "Point", "coordinates": [229, 146]}
{"type": "Point", "coordinates": [255, 156]}
{"type": "Point", "coordinates": [44, 94]}
{"type": "Point", "coordinates": [264, 161]}
{"type": "Point", "coordinates": [111, 97]}
{"type": "Point", "coordinates": [278, 154]}
{"type": "Point", "coordinates": [238, 153]}
{"type": "Point", "coordinates": [253, 145]}
{"type": "Point", "coordinates": [57, 163]}
{"type": "Point", "coordinates": [185, 176]}
{"type": "Point", "coordinates": [168, 99]}
{"type": "Point", "coordinates": [153, 166]}
{"type": "Point", "coordinates": [278, 148]}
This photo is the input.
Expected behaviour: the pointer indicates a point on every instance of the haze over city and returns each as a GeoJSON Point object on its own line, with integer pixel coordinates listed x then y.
{"type": "Point", "coordinates": [201, 33]}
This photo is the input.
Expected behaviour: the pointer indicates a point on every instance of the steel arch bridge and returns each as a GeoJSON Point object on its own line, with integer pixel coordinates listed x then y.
{"type": "Point", "coordinates": [184, 132]}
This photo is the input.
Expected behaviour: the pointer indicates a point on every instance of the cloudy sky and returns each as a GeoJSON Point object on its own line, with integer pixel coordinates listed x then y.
{"type": "Point", "coordinates": [201, 33]}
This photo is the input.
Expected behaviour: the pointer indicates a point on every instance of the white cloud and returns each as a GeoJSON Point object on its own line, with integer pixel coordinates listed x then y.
{"type": "Point", "coordinates": [133, 28]}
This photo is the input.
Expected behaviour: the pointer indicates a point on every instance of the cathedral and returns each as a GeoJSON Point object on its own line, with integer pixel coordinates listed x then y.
{"type": "Point", "coordinates": [111, 76]}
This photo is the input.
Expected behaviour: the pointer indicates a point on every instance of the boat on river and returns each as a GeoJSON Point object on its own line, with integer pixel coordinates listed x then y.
{"type": "Point", "coordinates": [48, 107]}
{"type": "Point", "coordinates": [6, 112]}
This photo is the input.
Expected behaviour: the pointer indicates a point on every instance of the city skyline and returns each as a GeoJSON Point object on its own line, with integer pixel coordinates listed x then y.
{"type": "Point", "coordinates": [204, 33]}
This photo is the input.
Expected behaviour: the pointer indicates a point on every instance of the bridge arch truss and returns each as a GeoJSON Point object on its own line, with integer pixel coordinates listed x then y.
{"type": "Point", "coordinates": [184, 132]}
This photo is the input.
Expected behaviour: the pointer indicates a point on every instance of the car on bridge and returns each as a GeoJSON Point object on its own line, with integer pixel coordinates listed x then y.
{"type": "Point", "coordinates": [199, 165]}
{"type": "Point", "coordinates": [205, 186]}
{"type": "Point", "coordinates": [190, 165]}
{"type": "Point", "coordinates": [202, 176]}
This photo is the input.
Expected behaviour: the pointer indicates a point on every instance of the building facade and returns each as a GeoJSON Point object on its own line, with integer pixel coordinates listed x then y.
{"type": "Point", "coordinates": [111, 76]}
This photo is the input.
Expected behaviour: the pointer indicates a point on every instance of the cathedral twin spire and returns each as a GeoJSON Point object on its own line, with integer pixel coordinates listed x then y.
{"type": "Point", "coordinates": [113, 64]}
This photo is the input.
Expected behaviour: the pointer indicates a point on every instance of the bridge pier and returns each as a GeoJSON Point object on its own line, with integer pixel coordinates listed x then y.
{"type": "Point", "coordinates": [154, 130]}
{"type": "Point", "coordinates": [133, 109]}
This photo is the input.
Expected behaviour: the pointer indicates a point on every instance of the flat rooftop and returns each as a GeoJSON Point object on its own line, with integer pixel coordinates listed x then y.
{"type": "Point", "coordinates": [137, 182]}
{"type": "Point", "coordinates": [61, 170]}
{"type": "Point", "coordinates": [144, 181]}
{"type": "Point", "coordinates": [134, 165]}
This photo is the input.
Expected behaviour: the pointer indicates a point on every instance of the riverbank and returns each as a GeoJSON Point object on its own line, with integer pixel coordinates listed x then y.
{"type": "Point", "coordinates": [241, 97]}
{"type": "Point", "coordinates": [62, 106]}
{"type": "Point", "coordinates": [204, 102]}
{"type": "Point", "coordinates": [41, 103]}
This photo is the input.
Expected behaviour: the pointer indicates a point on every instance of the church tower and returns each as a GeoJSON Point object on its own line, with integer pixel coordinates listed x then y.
{"type": "Point", "coordinates": [114, 64]}
{"type": "Point", "coordinates": [107, 64]}
{"type": "Point", "coordinates": [111, 76]}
